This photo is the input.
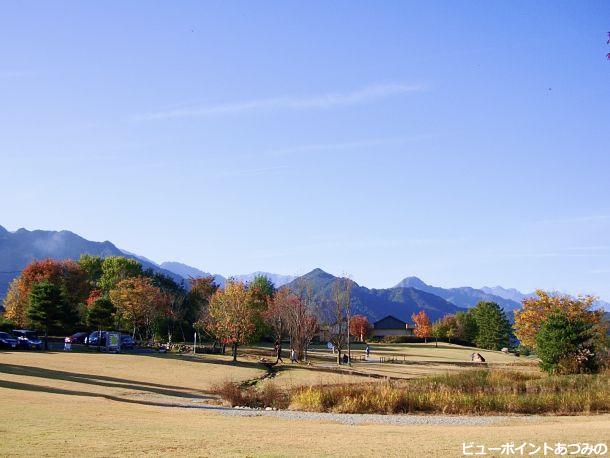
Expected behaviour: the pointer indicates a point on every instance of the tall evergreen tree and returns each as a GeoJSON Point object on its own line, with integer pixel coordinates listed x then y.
{"type": "Point", "coordinates": [493, 328]}
{"type": "Point", "coordinates": [566, 345]}
{"type": "Point", "coordinates": [47, 308]}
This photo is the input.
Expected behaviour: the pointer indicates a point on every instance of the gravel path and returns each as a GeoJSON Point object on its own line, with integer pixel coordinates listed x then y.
{"type": "Point", "coordinates": [358, 419]}
{"type": "Point", "coordinates": [344, 418]}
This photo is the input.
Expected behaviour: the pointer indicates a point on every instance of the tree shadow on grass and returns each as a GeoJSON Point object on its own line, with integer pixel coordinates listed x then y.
{"type": "Point", "coordinates": [100, 380]}
{"type": "Point", "coordinates": [207, 360]}
{"type": "Point", "coordinates": [47, 389]}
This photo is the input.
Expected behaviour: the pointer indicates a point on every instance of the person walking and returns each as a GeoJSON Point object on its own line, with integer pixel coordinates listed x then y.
{"type": "Point", "coordinates": [293, 356]}
{"type": "Point", "coordinates": [278, 353]}
{"type": "Point", "coordinates": [367, 352]}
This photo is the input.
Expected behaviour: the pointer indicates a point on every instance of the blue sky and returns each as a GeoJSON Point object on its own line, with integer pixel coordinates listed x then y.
{"type": "Point", "coordinates": [463, 142]}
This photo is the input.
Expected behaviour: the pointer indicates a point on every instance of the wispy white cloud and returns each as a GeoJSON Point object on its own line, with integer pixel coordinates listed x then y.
{"type": "Point", "coordinates": [316, 101]}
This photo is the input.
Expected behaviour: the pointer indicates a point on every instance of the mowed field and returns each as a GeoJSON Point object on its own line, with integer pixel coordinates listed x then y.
{"type": "Point", "coordinates": [90, 404]}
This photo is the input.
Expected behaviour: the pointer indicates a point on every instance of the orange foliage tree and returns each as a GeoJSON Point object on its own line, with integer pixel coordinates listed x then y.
{"type": "Point", "coordinates": [422, 325]}
{"type": "Point", "coordinates": [139, 304]}
{"type": "Point", "coordinates": [230, 316]}
{"type": "Point", "coordinates": [360, 326]}
{"type": "Point", "coordinates": [66, 275]}
{"type": "Point", "coordinates": [536, 310]}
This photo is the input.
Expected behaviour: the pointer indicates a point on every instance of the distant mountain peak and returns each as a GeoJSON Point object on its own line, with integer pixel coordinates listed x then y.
{"type": "Point", "coordinates": [319, 273]}
{"type": "Point", "coordinates": [412, 282]}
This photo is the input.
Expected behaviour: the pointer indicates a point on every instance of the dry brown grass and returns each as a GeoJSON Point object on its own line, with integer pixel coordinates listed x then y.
{"type": "Point", "coordinates": [474, 392]}
{"type": "Point", "coordinates": [113, 405]}
{"type": "Point", "coordinates": [58, 425]}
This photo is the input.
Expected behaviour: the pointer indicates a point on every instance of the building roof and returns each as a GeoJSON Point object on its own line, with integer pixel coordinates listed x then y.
{"type": "Point", "coordinates": [389, 322]}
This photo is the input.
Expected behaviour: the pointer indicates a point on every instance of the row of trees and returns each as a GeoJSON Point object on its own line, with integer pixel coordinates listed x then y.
{"type": "Point", "coordinates": [98, 293]}
{"type": "Point", "coordinates": [566, 333]}
{"type": "Point", "coordinates": [485, 325]}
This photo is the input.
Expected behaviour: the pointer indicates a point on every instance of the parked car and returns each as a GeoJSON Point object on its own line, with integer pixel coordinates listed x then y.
{"type": "Point", "coordinates": [94, 338]}
{"type": "Point", "coordinates": [127, 341]}
{"type": "Point", "coordinates": [78, 338]}
{"type": "Point", "coordinates": [27, 339]}
{"type": "Point", "coordinates": [7, 340]}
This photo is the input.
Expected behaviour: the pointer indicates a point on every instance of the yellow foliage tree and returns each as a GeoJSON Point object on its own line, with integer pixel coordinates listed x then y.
{"type": "Point", "coordinates": [231, 315]}
{"type": "Point", "coordinates": [536, 310]}
{"type": "Point", "coordinates": [16, 304]}
{"type": "Point", "coordinates": [139, 303]}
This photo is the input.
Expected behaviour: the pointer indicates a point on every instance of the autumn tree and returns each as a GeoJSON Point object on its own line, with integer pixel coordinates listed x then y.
{"type": "Point", "coordinates": [16, 304]}
{"type": "Point", "coordinates": [177, 306]}
{"type": "Point", "coordinates": [197, 301]}
{"type": "Point", "coordinates": [302, 321]}
{"type": "Point", "coordinates": [66, 275]}
{"type": "Point", "coordinates": [276, 314]}
{"type": "Point", "coordinates": [139, 303]}
{"type": "Point", "coordinates": [422, 325]}
{"type": "Point", "coordinates": [230, 316]}
{"type": "Point", "coordinates": [493, 328]}
{"type": "Point", "coordinates": [340, 316]}
{"type": "Point", "coordinates": [261, 290]}
{"type": "Point", "coordinates": [47, 307]}
{"type": "Point", "coordinates": [361, 327]}
{"type": "Point", "coordinates": [445, 328]}
{"type": "Point", "coordinates": [536, 310]}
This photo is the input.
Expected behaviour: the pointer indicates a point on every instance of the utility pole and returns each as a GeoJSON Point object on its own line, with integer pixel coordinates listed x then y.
{"type": "Point", "coordinates": [348, 303]}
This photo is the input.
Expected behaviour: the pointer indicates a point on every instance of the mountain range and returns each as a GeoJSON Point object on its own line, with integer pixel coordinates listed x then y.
{"type": "Point", "coordinates": [19, 248]}
{"type": "Point", "coordinates": [411, 294]}
{"type": "Point", "coordinates": [464, 296]}
{"type": "Point", "coordinates": [187, 271]}
{"type": "Point", "coordinates": [375, 304]}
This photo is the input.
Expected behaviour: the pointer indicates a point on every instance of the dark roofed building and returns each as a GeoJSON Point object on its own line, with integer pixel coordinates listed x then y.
{"type": "Point", "coordinates": [391, 326]}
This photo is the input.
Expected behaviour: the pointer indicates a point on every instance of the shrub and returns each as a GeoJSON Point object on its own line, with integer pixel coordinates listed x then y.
{"type": "Point", "coordinates": [268, 395]}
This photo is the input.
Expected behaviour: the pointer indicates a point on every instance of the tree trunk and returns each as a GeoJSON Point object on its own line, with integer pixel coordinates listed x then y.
{"type": "Point", "coordinates": [234, 351]}
{"type": "Point", "coordinates": [46, 338]}
{"type": "Point", "coordinates": [182, 331]}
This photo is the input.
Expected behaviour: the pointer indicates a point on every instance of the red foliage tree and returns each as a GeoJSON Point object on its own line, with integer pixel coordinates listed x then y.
{"type": "Point", "coordinates": [422, 324]}
{"type": "Point", "coordinates": [360, 326]}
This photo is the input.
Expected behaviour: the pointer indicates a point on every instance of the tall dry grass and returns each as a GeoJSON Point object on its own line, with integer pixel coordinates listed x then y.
{"type": "Point", "coordinates": [468, 392]}
{"type": "Point", "coordinates": [267, 395]}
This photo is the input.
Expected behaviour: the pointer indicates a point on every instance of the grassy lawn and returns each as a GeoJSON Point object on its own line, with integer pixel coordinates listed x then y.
{"type": "Point", "coordinates": [445, 352]}
{"type": "Point", "coordinates": [90, 404]}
